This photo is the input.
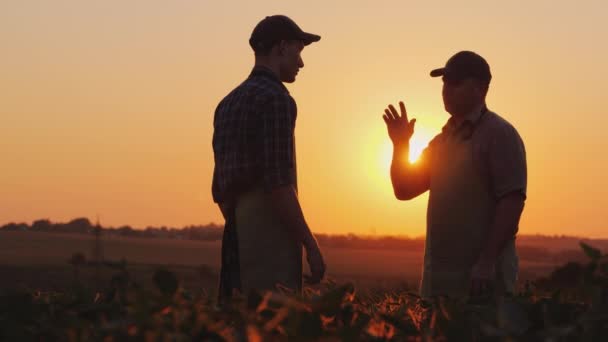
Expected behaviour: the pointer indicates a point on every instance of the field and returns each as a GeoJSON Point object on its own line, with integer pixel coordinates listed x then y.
{"type": "Point", "coordinates": [40, 260]}
{"type": "Point", "coordinates": [164, 290]}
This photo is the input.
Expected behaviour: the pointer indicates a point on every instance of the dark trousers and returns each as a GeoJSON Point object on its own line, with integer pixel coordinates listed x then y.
{"type": "Point", "coordinates": [230, 279]}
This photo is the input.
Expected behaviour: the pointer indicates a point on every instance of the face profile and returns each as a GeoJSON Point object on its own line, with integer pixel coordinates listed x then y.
{"type": "Point", "coordinates": [277, 42]}
{"type": "Point", "coordinates": [289, 54]}
{"type": "Point", "coordinates": [461, 94]}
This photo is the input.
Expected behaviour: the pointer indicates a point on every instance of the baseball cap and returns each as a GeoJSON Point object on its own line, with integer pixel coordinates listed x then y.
{"type": "Point", "coordinates": [465, 64]}
{"type": "Point", "coordinates": [275, 28]}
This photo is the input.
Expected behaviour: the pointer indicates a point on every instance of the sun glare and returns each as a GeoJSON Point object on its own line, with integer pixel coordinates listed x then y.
{"type": "Point", "coordinates": [417, 145]}
{"type": "Point", "coordinates": [419, 142]}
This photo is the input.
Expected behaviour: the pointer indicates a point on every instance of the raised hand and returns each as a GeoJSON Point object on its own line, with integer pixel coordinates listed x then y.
{"type": "Point", "coordinates": [400, 130]}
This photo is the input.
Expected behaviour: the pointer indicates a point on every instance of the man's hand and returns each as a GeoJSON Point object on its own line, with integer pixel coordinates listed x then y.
{"type": "Point", "coordinates": [287, 205]}
{"type": "Point", "coordinates": [482, 278]}
{"type": "Point", "coordinates": [400, 130]}
{"type": "Point", "coordinates": [506, 220]}
{"type": "Point", "coordinates": [316, 264]}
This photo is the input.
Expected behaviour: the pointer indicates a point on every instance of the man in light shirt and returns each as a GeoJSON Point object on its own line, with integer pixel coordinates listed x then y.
{"type": "Point", "coordinates": [476, 174]}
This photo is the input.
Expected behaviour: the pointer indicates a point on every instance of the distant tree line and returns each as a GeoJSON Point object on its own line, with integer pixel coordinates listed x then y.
{"type": "Point", "coordinates": [213, 232]}
{"type": "Point", "coordinates": [210, 232]}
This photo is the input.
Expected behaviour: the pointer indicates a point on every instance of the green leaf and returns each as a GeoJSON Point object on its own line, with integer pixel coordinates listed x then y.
{"type": "Point", "coordinates": [512, 318]}
{"type": "Point", "coordinates": [591, 252]}
{"type": "Point", "coordinates": [166, 281]}
{"type": "Point", "coordinates": [330, 303]}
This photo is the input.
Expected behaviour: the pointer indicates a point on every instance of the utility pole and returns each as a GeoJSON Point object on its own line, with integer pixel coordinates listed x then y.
{"type": "Point", "coordinates": [97, 251]}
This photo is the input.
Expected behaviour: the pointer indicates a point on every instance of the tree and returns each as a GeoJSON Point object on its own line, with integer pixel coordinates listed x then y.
{"type": "Point", "coordinates": [15, 227]}
{"type": "Point", "coordinates": [41, 225]}
{"type": "Point", "coordinates": [79, 225]}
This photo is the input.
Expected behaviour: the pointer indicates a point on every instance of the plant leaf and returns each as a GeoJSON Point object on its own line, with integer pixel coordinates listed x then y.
{"type": "Point", "coordinates": [591, 252]}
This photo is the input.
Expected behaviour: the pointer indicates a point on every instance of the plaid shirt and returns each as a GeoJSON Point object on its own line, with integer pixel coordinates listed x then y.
{"type": "Point", "coordinates": [253, 138]}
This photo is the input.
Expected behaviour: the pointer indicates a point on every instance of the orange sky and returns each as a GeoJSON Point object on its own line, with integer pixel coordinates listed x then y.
{"type": "Point", "coordinates": [106, 107]}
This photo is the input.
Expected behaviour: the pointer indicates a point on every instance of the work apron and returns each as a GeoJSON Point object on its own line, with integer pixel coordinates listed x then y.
{"type": "Point", "coordinates": [460, 212]}
{"type": "Point", "coordinates": [269, 256]}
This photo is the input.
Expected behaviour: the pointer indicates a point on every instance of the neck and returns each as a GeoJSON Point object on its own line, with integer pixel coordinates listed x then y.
{"type": "Point", "coordinates": [261, 62]}
{"type": "Point", "coordinates": [460, 116]}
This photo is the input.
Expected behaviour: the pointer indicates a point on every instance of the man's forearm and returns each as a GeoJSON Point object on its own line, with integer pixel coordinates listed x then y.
{"type": "Point", "coordinates": [401, 156]}
{"type": "Point", "coordinates": [407, 183]}
{"type": "Point", "coordinates": [504, 227]}
{"type": "Point", "coordinates": [290, 211]}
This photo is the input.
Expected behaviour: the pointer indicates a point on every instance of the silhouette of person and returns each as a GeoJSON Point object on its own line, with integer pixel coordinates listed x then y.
{"type": "Point", "coordinates": [475, 171]}
{"type": "Point", "coordinates": [254, 179]}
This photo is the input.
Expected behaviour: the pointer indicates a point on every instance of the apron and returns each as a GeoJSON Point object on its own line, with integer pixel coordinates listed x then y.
{"type": "Point", "coordinates": [230, 277]}
{"type": "Point", "coordinates": [460, 212]}
{"type": "Point", "coordinates": [268, 253]}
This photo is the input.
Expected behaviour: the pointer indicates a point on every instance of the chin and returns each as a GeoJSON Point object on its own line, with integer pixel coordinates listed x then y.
{"type": "Point", "coordinates": [447, 109]}
{"type": "Point", "coordinates": [289, 79]}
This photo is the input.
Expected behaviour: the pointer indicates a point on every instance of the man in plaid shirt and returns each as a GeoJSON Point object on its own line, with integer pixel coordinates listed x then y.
{"type": "Point", "coordinates": [254, 180]}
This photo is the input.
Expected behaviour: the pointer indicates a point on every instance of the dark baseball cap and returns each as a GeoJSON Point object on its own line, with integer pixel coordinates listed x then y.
{"type": "Point", "coordinates": [275, 28]}
{"type": "Point", "coordinates": [465, 64]}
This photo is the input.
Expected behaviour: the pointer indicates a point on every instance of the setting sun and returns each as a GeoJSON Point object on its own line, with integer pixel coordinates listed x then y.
{"type": "Point", "coordinates": [419, 142]}
{"type": "Point", "coordinates": [110, 112]}
{"type": "Point", "coordinates": [161, 159]}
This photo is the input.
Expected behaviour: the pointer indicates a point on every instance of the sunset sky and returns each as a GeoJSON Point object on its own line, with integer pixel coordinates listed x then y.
{"type": "Point", "coordinates": [106, 107]}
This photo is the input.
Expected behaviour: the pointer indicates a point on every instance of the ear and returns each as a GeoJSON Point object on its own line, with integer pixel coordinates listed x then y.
{"type": "Point", "coordinates": [482, 88]}
{"type": "Point", "coordinates": [282, 48]}
{"type": "Point", "coordinates": [479, 87]}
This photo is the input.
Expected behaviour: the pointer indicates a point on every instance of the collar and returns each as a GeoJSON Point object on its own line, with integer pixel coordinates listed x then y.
{"type": "Point", "coordinates": [262, 71]}
{"type": "Point", "coordinates": [466, 127]}
{"type": "Point", "coordinates": [470, 119]}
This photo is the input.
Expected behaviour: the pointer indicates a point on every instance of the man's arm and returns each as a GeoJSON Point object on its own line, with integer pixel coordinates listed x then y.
{"type": "Point", "coordinates": [278, 166]}
{"type": "Point", "coordinates": [290, 212]}
{"type": "Point", "coordinates": [508, 171]}
{"type": "Point", "coordinates": [409, 180]}
{"type": "Point", "coordinates": [504, 227]}
{"type": "Point", "coordinates": [286, 202]}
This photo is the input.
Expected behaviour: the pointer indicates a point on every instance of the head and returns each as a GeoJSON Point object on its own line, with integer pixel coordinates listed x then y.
{"type": "Point", "coordinates": [466, 80]}
{"type": "Point", "coordinates": [278, 43]}
{"type": "Point", "coordinates": [285, 57]}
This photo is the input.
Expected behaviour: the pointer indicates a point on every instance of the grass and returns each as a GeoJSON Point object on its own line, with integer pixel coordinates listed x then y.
{"type": "Point", "coordinates": [39, 260]}
{"type": "Point", "coordinates": [45, 298]}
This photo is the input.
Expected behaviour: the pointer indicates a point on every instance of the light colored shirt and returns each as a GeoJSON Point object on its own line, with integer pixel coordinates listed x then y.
{"type": "Point", "coordinates": [498, 151]}
{"type": "Point", "coordinates": [471, 164]}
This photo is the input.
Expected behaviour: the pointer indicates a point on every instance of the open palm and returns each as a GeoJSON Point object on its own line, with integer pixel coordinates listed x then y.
{"type": "Point", "coordinates": [400, 129]}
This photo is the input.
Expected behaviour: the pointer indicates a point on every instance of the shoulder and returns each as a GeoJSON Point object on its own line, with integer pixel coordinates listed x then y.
{"type": "Point", "coordinates": [436, 140]}
{"type": "Point", "coordinates": [256, 91]}
{"type": "Point", "coordinates": [499, 142]}
{"type": "Point", "coordinates": [257, 97]}
{"type": "Point", "coordinates": [495, 121]}
{"type": "Point", "coordinates": [495, 127]}
{"type": "Point", "coordinates": [266, 90]}
{"type": "Point", "coordinates": [433, 145]}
